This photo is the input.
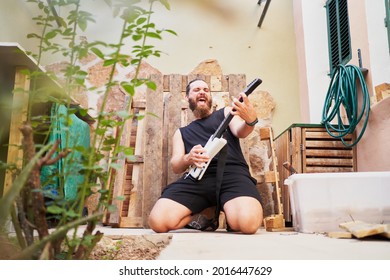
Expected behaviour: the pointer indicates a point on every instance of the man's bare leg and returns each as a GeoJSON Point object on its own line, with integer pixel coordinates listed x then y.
{"type": "Point", "coordinates": [168, 215]}
{"type": "Point", "coordinates": [244, 214]}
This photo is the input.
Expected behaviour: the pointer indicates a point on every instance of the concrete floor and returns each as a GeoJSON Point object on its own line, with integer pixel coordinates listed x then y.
{"type": "Point", "coordinates": [221, 245]}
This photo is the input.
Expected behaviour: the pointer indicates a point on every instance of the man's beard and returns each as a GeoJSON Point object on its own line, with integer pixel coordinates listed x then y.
{"type": "Point", "coordinates": [200, 112]}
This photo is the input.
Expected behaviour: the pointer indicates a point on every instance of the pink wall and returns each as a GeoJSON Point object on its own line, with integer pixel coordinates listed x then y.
{"type": "Point", "coordinates": [373, 150]}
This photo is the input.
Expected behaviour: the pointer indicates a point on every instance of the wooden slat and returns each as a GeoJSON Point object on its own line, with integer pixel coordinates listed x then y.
{"type": "Point", "coordinates": [120, 173]}
{"type": "Point", "coordinates": [282, 154]}
{"type": "Point", "coordinates": [339, 153]}
{"type": "Point", "coordinates": [270, 176]}
{"type": "Point", "coordinates": [18, 116]}
{"type": "Point", "coordinates": [362, 229]}
{"type": "Point", "coordinates": [135, 198]}
{"type": "Point", "coordinates": [325, 169]}
{"type": "Point", "coordinates": [325, 144]}
{"type": "Point", "coordinates": [152, 181]}
{"type": "Point", "coordinates": [172, 122]}
{"type": "Point", "coordinates": [265, 133]}
{"type": "Point", "coordinates": [140, 104]}
{"type": "Point", "coordinates": [131, 222]}
{"type": "Point", "coordinates": [296, 140]}
{"type": "Point", "coordinates": [329, 162]}
{"type": "Point", "coordinates": [323, 135]}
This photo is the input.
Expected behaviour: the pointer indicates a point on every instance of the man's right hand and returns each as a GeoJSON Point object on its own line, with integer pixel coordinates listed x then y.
{"type": "Point", "coordinates": [197, 156]}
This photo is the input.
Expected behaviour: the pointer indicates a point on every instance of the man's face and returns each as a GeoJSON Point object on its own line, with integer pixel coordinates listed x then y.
{"type": "Point", "coordinates": [199, 99]}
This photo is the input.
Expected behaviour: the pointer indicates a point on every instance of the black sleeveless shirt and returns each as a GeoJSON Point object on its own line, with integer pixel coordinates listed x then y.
{"type": "Point", "coordinates": [199, 132]}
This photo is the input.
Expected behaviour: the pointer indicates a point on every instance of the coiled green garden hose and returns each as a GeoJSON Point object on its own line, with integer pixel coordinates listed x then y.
{"type": "Point", "coordinates": [343, 91]}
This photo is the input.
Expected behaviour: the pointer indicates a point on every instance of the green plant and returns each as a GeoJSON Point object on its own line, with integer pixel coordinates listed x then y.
{"type": "Point", "coordinates": [27, 201]}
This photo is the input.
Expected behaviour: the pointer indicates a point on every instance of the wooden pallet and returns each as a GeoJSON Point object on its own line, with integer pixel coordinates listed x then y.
{"type": "Point", "coordinates": [142, 179]}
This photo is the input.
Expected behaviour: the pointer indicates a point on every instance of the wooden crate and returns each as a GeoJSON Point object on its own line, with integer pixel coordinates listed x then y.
{"type": "Point", "coordinates": [310, 149]}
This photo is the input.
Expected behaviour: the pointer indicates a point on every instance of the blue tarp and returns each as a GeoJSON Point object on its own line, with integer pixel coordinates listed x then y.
{"type": "Point", "coordinates": [75, 136]}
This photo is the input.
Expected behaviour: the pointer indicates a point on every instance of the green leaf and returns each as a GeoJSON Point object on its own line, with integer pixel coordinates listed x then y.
{"type": "Point", "coordinates": [97, 52]}
{"type": "Point", "coordinates": [137, 37]}
{"type": "Point", "coordinates": [170, 31]}
{"type": "Point", "coordinates": [54, 209]}
{"type": "Point", "coordinates": [165, 4]}
{"type": "Point", "coordinates": [129, 89]}
{"type": "Point", "coordinates": [141, 20]}
{"type": "Point", "coordinates": [151, 85]}
{"type": "Point", "coordinates": [153, 35]}
{"type": "Point", "coordinates": [109, 62]}
{"type": "Point", "coordinates": [33, 35]}
{"type": "Point", "coordinates": [82, 24]}
{"type": "Point", "coordinates": [51, 35]}
{"type": "Point", "coordinates": [71, 214]}
{"type": "Point", "coordinates": [123, 114]}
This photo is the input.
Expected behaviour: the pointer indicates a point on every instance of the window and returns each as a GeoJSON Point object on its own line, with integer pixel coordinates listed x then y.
{"type": "Point", "coordinates": [338, 33]}
{"type": "Point", "coordinates": [387, 20]}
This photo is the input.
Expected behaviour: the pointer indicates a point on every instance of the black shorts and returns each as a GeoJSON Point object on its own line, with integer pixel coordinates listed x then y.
{"type": "Point", "coordinates": [199, 195]}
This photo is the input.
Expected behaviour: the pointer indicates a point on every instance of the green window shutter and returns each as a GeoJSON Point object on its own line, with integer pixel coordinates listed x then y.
{"type": "Point", "coordinates": [387, 20]}
{"type": "Point", "coordinates": [339, 37]}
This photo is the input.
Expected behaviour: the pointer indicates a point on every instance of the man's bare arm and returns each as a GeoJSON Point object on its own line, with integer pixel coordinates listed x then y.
{"type": "Point", "coordinates": [243, 113]}
{"type": "Point", "coordinates": [180, 161]}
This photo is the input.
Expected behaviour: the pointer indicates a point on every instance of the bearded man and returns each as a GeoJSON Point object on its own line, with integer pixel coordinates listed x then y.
{"type": "Point", "coordinates": [237, 195]}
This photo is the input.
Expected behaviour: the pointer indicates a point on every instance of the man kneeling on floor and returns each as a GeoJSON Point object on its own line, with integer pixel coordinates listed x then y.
{"type": "Point", "coordinates": [233, 192]}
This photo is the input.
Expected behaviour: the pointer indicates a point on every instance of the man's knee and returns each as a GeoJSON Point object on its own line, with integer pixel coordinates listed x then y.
{"type": "Point", "coordinates": [245, 218]}
{"type": "Point", "coordinates": [156, 220]}
{"type": "Point", "coordinates": [168, 215]}
{"type": "Point", "coordinates": [244, 224]}
{"type": "Point", "coordinates": [157, 224]}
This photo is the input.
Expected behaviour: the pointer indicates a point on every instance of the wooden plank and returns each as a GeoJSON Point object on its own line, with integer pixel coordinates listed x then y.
{"type": "Point", "coordinates": [295, 148]}
{"type": "Point", "coordinates": [325, 144]}
{"type": "Point", "coordinates": [303, 149]}
{"type": "Point", "coordinates": [152, 180]}
{"type": "Point", "coordinates": [340, 234]}
{"type": "Point", "coordinates": [274, 163]}
{"type": "Point", "coordinates": [131, 222]}
{"type": "Point", "coordinates": [140, 104]}
{"type": "Point", "coordinates": [274, 222]}
{"type": "Point", "coordinates": [327, 169]}
{"type": "Point", "coordinates": [166, 82]}
{"type": "Point", "coordinates": [386, 233]}
{"type": "Point", "coordinates": [135, 198]}
{"type": "Point", "coordinates": [329, 162]}
{"type": "Point", "coordinates": [283, 155]}
{"type": "Point", "coordinates": [135, 158]}
{"type": "Point", "coordinates": [362, 229]}
{"type": "Point", "coordinates": [216, 83]}
{"type": "Point", "coordinates": [339, 153]}
{"type": "Point", "coordinates": [18, 116]}
{"type": "Point", "coordinates": [270, 176]}
{"type": "Point", "coordinates": [173, 110]}
{"type": "Point", "coordinates": [323, 135]}
{"type": "Point", "coordinates": [120, 174]}
{"type": "Point", "coordinates": [265, 133]}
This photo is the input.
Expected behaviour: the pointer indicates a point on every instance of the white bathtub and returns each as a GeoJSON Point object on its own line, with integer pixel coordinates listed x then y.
{"type": "Point", "coordinates": [321, 201]}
